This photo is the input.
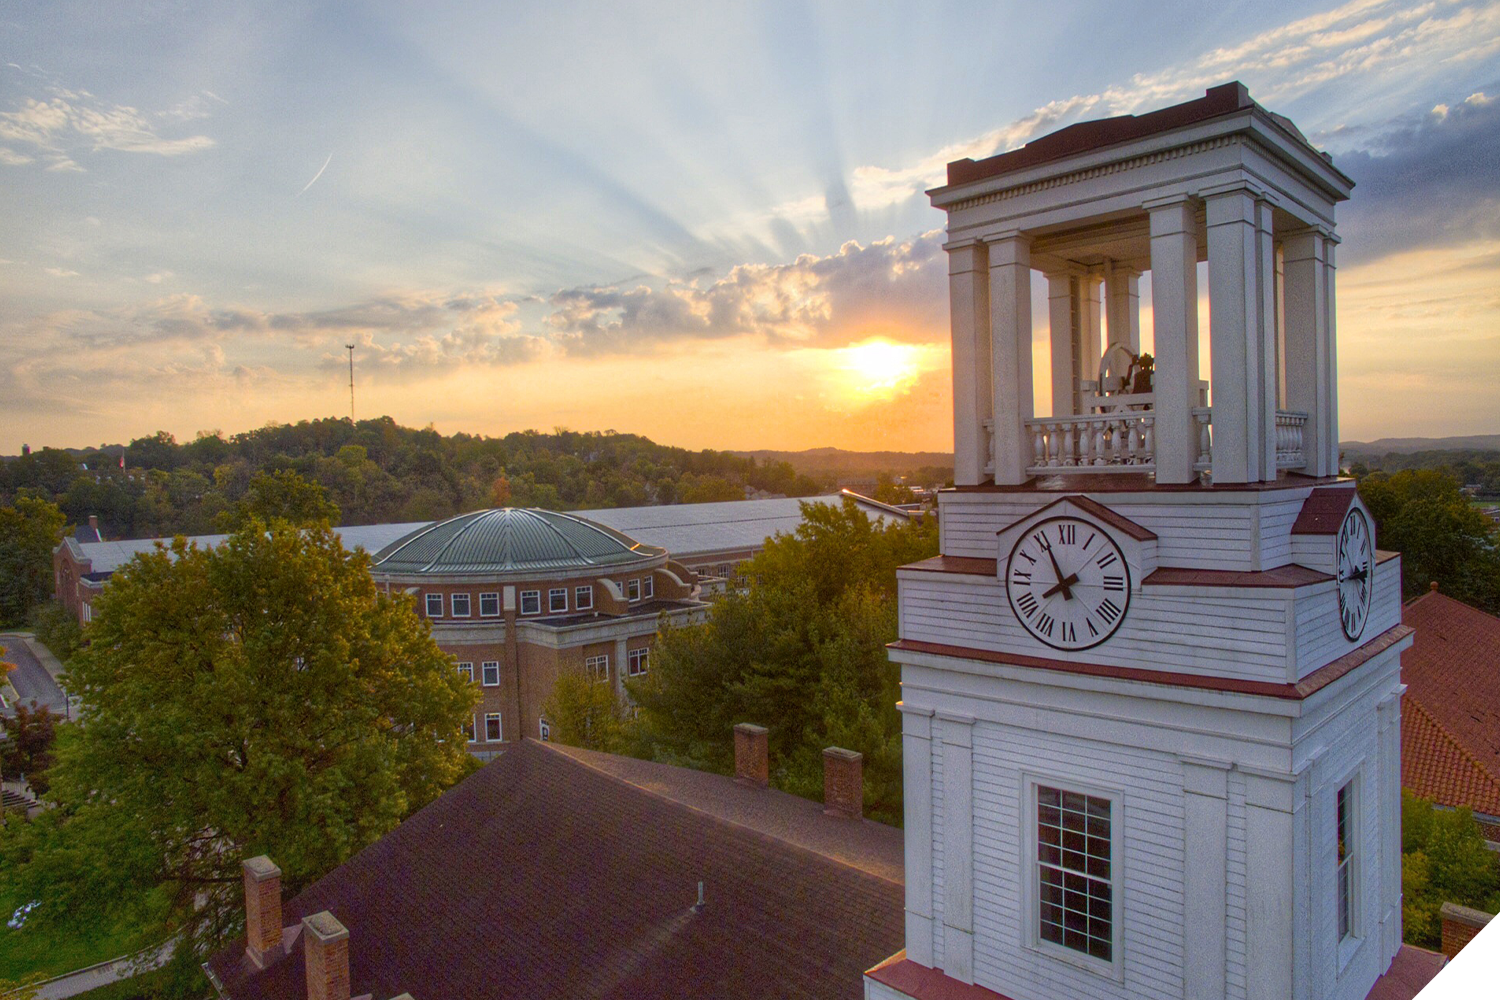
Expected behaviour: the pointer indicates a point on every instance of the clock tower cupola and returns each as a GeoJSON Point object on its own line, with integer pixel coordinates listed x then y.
{"type": "Point", "coordinates": [1151, 686]}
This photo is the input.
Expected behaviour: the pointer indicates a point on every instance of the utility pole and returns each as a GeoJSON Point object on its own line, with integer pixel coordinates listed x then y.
{"type": "Point", "coordinates": [350, 348]}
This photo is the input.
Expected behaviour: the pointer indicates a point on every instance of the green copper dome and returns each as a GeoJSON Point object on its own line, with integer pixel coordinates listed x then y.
{"type": "Point", "coordinates": [511, 540]}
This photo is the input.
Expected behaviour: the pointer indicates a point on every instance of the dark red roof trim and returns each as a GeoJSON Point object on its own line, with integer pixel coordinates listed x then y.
{"type": "Point", "coordinates": [918, 981]}
{"type": "Point", "coordinates": [1282, 576]}
{"type": "Point", "coordinates": [1323, 510]}
{"type": "Point", "coordinates": [1086, 136]}
{"type": "Point", "coordinates": [971, 565]}
{"type": "Point", "coordinates": [1309, 685]}
{"type": "Point", "coordinates": [1098, 510]}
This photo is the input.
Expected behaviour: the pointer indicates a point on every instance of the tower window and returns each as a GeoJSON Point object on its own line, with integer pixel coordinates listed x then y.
{"type": "Point", "coordinates": [1075, 872]}
{"type": "Point", "coordinates": [1348, 838]}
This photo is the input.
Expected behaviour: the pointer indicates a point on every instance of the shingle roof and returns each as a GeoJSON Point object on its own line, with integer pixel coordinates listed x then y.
{"type": "Point", "coordinates": [556, 874]}
{"type": "Point", "coordinates": [1452, 674]}
{"type": "Point", "coordinates": [511, 539]}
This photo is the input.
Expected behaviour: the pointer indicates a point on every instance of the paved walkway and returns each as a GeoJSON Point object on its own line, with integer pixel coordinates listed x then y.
{"type": "Point", "coordinates": [35, 676]}
{"type": "Point", "coordinates": [103, 974]}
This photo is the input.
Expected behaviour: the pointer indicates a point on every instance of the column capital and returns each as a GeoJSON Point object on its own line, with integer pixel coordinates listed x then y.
{"type": "Point", "coordinates": [1010, 247]}
{"type": "Point", "coordinates": [965, 256]}
{"type": "Point", "coordinates": [1177, 214]}
{"type": "Point", "coordinates": [1243, 187]}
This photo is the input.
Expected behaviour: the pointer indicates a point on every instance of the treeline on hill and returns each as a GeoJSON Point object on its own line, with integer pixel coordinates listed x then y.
{"type": "Point", "coordinates": [1470, 467]}
{"type": "Point", "coordinates": [377, 471]}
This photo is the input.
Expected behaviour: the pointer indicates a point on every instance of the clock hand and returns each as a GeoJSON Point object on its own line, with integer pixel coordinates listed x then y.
{"type": "Point", "coordinates": [1062, 584]}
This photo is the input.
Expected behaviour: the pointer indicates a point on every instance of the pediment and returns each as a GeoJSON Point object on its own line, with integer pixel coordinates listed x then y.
{"type": "Point", "coordinates": [1137, 542]}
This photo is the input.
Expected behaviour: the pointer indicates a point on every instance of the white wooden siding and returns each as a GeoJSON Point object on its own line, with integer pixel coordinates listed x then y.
{"type": "Point", "coordinates": [1236, 954]}
{"type": "Point", "coordinates": [1151, 811]}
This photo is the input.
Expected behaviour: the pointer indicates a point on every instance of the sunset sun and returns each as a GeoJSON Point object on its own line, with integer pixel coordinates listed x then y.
{"type": "Point", "coordinates": [877, 367]}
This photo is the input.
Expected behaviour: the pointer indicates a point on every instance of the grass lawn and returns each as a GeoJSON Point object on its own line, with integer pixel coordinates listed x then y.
{"type": "Point", "coordinates": [30, 950]}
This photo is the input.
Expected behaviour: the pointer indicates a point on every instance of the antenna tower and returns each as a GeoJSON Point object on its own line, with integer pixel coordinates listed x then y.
{"type": "Point", "coordinates": [350, 348]}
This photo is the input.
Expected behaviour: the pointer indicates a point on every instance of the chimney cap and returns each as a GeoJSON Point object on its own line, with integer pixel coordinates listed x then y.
{"type": "Point", "coordinates": [325, 927]}
{"type": "Point", "coordinates": [843, 754]}
{"type": "Point", "coordinates": [751, 729]}
{"type": "Point", "coordinates": [261, 868]}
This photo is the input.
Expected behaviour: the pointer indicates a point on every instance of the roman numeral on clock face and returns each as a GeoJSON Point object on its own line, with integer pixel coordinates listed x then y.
{"type": "Point", "coordinates": [1107, 560]}
{"type": "Point", "coordinates": [1109, 611]}
{"type": "Point", "coordinates": [1114, 583]}
{"type": "Point", "coordinates": [1067, 534]}
{"type": "Point", "coordinates": [1027, 604]}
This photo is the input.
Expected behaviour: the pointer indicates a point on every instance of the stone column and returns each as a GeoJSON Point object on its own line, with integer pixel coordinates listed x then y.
{"type": "Point", "coordinates": [916, 774]}
{"type": "Point", "coordinates": [958, 847]}
{"type": "Point", "coordinates": [1090, 323]}
{"type": "Point", "coordinates": [1062, 318]}
{"type": "Point", "coordinates": [1123, 303]}
{"type": "Point", "coordinates": [1174, 306]}
{"type": "Point", "coordinates": [1010, 355]}
{"type": "Point", "coordinates": [1311, 369]}
{"type": "Point", "coordinates": [1206, 878]}
{"type": "Point", "coordinates": [973, 394]}
{"type": "Point", "coordinates": [621, 655]}
{"type": "Point", "coordinates": [1241, 288]}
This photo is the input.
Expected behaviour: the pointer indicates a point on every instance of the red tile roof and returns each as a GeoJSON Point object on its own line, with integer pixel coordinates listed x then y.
{"type": "Point", "coordinates": [1450, 731]}
{"type": "Point", "coordinates": [542, 876]}
{"type": "Point", "coordinates": [1323, 511]}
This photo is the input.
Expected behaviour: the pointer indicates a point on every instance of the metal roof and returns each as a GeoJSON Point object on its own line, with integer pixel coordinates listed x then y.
{"type": "Point", "coordinates": [106, 557]}
{"type": "Point", "coordinates": [509, 540]}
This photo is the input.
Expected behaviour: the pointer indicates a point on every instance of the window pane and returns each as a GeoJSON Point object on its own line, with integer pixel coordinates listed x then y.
{"type": "Point", "coordinates": [1073, 869]}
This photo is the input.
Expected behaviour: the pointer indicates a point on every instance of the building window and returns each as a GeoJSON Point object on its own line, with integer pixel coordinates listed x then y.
{"type": "Point", "coordinates": [637, 659]}
{"type": "Point", "coordinates": [492, 727]}
{"type": "Point", "coordinates": [583, 598]}
{"type": "Point", "coordinates": [531, 602]}
{"type": "Point", "coordinates": [633, 589]}
{"type": "Point", "coordinates": [648, 587]}
{"type": "Point", "coordinates": [1074, 874]}
{"type": "Point", "coordinates": [557, 599]}
{"type": "Point", "coordinates": [597, 667]}
{"type": "Point", "coordinates": [724, 570]}
{"type": "Point", "coordinates": [460, 605]}
{"type": "Point", "coordinates": [467, 669]}
{"type": "Point", "coordinates": [1348, 850]}
{"type": "Point", "coordinates": [544, 730]}
{"type": "Point", "coordinates": [489, 605]}
{"type": "Point", "coordinates": [491, 674]}
{"type": "Point", "coordinates": [434, 605]}
{"type": "Point", "coordinates": [88, 613]}
{"type": "Point", "coordinates": [469, 729]}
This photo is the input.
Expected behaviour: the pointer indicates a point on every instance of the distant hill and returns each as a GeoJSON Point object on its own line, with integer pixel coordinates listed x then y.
{"type": "Point", "coordinates": [1407, 446]}
{"type": "Point", "coordinates": [837, 461]}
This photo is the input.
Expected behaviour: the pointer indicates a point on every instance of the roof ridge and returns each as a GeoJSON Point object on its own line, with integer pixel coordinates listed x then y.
{"type": "Point", "coordinates": [537, 513]}
{"type": "Point", "coordinates": [1458, 744]}
{"type": "Point", "coordinates": [473, 516]}
{"type": "Point", "coordinates": [759, 834]}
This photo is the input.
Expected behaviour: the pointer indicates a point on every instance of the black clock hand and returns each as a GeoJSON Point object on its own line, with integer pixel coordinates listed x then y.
{"type": "Point", "coordinates": [1063, 584]}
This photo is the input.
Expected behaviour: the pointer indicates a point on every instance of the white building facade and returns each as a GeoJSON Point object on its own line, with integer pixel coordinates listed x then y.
{"type": "Point", "coordinates": [1151, 687]}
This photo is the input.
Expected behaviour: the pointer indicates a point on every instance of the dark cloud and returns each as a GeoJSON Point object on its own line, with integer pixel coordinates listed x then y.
{"type": "Point", "coordinates": [1431, 180]}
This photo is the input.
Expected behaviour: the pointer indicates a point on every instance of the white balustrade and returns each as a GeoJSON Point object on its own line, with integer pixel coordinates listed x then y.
{"type": "Point", "coordinates": [1289, 427]}
{"type": "Point", "coordinates": [1100, 442]}
{"type": "Point", "coordinates": [1203, 427]}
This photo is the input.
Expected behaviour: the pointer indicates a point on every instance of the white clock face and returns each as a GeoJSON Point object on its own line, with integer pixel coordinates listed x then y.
{"type": "Point", "coordinates": [1068, 583]}
{"type": "Point", "coordinates": [1356, 564]}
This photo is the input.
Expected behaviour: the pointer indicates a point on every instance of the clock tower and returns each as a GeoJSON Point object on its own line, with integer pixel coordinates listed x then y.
{"type": "Point", "coordinates": [1151, 687]}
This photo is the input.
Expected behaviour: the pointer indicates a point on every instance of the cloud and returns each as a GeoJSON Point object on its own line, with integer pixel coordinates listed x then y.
{"type": "Point", "coordinates": [63, 125]}
{"type": "Point", "coordinates": [1425, 180]}
{"type": "Point", "coordinates": [1377, 40]}
{"type": "Point", "coordinates": [58, 272]}
{"type": "Point", "coordinates": [895, 288]}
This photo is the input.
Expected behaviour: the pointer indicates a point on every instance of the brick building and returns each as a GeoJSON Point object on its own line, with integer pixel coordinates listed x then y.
{"type": "Point", "coordinates": [518, 597]}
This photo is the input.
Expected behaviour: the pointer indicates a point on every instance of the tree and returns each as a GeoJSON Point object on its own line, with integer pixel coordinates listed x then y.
{"type": "Point", "coordinates": [29, 749]}
{"type": "Point", "coordinates": [802, 652]}
{"type": "Point", "coordinates": [584, 711]}
{"type": "Point", "coordinates": [887, 490]}
{"type": "Point", "coordinates": [283, 496]}
{"type": "Point", "coordinates": [1441, 536]}
{"type": "Point", "coordinates": [1444, 859]}
{"type": "Point", "coordinates": [29, 530]}
{"type": "Point", "coordinates": [263, 697]}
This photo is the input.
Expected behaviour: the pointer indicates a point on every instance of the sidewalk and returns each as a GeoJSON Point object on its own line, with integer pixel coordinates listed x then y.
{"type": "Point", "coordinates": [74, 983]}
{"type": "Point", "coordinates": [44, 655]}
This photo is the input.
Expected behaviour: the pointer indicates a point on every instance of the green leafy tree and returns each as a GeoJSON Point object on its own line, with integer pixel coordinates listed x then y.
{"type": "Point", "coordinates": [1444, 859]}
{"type": "Point", "coordinates": [887, 490]}
{"type": "Point", "coordinates": [584, 711]}
{"type": "Point", "coordinates": [1441, 535]}
{"type": "Point", "coordinates": [802, 652]}
{"type": "Point", "coordinates": [283, 496]}
{"type": "Point", "coordinates": [262, 697]}
{"type": "Point", "coordinates": [28, 751]}
{"type": "Point", "coordinates": [29, 530]}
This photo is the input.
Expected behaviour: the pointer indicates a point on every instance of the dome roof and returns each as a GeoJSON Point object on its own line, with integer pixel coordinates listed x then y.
{"type": "Point", "coordinates": [511, 540]}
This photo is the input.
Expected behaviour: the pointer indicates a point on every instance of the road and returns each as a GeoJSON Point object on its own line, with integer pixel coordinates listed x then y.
{"type": "Point", "coordinates": [30, 679]}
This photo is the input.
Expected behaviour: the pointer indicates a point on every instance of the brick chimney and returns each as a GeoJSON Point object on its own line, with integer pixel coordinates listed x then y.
{"type": "Point", "coordinates": [94, 522]}
{"type": "Point", "coordinates": [843, 783]}
{"type": "Point", "coordinates": [262, 911]}
{"type": "Point", "coordinates": [1460, 924]}
{"type": "Point", "coordinates": [325, 947]}
{"type": "Point", "coordinates": [752, 755]}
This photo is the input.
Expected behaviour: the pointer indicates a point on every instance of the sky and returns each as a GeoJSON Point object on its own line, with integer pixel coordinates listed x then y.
{"type": "Point", "coordinates": [703, 222]}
